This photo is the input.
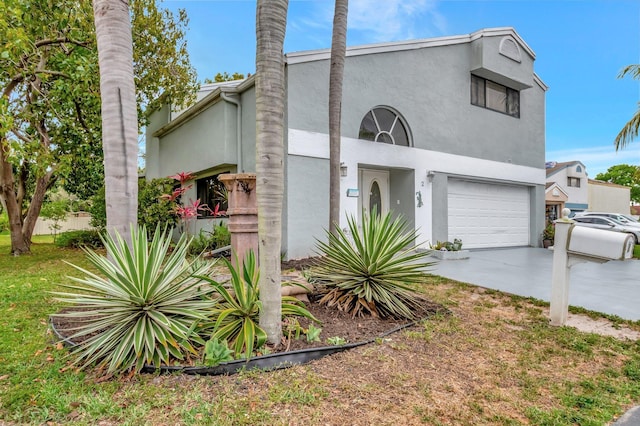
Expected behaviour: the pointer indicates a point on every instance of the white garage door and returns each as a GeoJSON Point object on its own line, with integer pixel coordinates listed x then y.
{"type": "Point", "coordinates": [488, 215]}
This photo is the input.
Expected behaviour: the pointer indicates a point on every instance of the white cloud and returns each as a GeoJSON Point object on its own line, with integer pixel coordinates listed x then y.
{"type": "Point", "coordinates": [598, 159]}
{"type": "Point", "coordinates": [371, 21]}
{"type": "Point", "coordinates": [391, 20]}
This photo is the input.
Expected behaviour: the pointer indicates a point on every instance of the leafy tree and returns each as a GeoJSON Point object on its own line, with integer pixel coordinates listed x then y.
{"type": "Point", "coordinates": [626, 175]}
{"type": "Point", "coordinates": [630, 130]}
{"type": "Point", "coordinates": [56, 211]}
{"type": "Point", "coordinates": [219, 78]}
{"type": "Point", "coordinates": [153, 208]}
{"type": "Point", "coordinates": [50, 123]}
{"type": "Point", "coordinates": [336, 72]}
{"type": "Point", "coordinates": [271, 23]}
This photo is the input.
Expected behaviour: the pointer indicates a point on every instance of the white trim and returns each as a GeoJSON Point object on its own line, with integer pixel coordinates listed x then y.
{"type": "Point", "coordinates": [355, 151]}
{"type": "Point", "coordinates": [554, 186]}
{"type": "Point", "coordinates": [396, 46]}
{"type": "Point", "coordinates": [504, 51]}
{"type": "Point", "coordinates": [539, 82]}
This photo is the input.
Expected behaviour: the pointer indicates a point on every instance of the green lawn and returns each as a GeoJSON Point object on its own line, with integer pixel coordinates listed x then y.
{"type": "Point", "coordinates": [494, 361]}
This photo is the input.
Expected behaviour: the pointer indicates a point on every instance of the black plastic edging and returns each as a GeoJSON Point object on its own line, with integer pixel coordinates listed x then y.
{"type": "Point", "coordinates": [269, 362]}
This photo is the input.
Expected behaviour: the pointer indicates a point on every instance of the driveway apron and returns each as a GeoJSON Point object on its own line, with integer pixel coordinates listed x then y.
{"type": "Point", "coordinates": [612, 288]}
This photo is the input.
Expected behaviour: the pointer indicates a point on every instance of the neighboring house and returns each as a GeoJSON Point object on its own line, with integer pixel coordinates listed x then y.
{"type": "Point", "coordinates": [568, 186]}
{"type": "Point", "coordinates": [568, 180]}
{"type": "Point", "coordinates": [609, 197]}
{"type": "Point", "coordinates": [447, 132]}
{"type": "Point", "coordinates": [555, 200]}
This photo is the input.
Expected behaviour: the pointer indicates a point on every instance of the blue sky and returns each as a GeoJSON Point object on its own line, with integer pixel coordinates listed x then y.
{"type": "Point", "coordinates": [580, 46]}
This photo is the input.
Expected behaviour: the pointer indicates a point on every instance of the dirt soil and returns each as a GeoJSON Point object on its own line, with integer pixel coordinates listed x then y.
{"type": "Point", "coordinates": [490, 361]}
{"type": "Point", "coordinates": [335, 323]}
{"type": "Point", "coordinates": [332, 322]}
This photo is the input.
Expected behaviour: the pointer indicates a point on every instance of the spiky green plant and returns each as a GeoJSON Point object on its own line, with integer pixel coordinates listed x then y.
{"type": "Point", "coordinates": [237, 313]}
{"type": "Point", "coordinates": [144, 306]}
{"type": "Point", "coordinates": [371, 271]}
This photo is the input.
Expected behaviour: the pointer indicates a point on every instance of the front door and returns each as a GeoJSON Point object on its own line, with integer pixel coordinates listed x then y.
{"type": "Point", "coordinates": [374, 191]}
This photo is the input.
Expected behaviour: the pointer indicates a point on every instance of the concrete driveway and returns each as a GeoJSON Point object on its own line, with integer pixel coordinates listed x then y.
{"type": "Point", "coordinates": [612, 287]}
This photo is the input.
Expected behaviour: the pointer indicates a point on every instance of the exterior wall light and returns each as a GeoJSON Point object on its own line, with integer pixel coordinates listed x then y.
{"type": "Point", "coordinates": [343, 170]}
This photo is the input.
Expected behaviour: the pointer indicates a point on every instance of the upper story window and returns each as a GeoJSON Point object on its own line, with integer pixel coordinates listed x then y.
{"type": "Point", "coordinates": [578, 169]}
{"type": "Point", "coordinates": [488, 94]}
{"type": "Point", "coordinates": [211, 192]}
{"type": "Point", "coordinates": [573, 181]}
{"type": "Point", "coordinates": [382, 124]}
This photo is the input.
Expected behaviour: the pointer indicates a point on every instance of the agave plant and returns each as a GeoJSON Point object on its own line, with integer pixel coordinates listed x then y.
{"type": "Point", "coordinates": [237, 313]}
{"type": "Point", "coordinates": [143, 308]}
{"type": "Point", "coordinates": [371, 271]}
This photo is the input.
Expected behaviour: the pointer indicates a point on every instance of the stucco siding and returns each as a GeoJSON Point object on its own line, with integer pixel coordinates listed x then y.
{"type": "Point", "coordinates": [248, 99]}
{"type": "Point", "coordinates": [157, 119]}
{"type": "Point", "coordinates": [609, 198]}
{"type": "Point", "coordinates": [577, 197]}
{"type": "Point", "coordinates": [307, 201]}
{"type": "Point", "coordinates": [431, 216]}
{"type": "Point", "coordinates": [430, 87]}
{"type": "Point", "coordinates": [403, 195]}
{"type": "Point", "coordinates": [206, 140]}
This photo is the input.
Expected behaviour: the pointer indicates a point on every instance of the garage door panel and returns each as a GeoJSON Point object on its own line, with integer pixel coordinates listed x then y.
{"type": "Point", "coordinates": [488, 215]}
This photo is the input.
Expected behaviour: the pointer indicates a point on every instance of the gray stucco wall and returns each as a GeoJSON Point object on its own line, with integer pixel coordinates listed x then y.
{"type": "Point", "coordinates": [440, 207]}
{"type": "Point", "coordinates": [157, 119]}
{"type": "Point", "coordinates": [537, 217]}
{"type": "Point", "coordinates": [402, 195]}
{"type": "Point", "coordinates": [430, 87]}
{"type": "Point", "coordinates": [207, 140]}
{"type": "Point", "coordinates": [248, 99]}
{"type": "Point", "coordinates": [307, 202]}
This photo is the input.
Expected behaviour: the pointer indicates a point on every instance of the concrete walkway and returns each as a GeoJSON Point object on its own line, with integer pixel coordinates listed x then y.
{"type": "Point", "coordinates": [612, 288]}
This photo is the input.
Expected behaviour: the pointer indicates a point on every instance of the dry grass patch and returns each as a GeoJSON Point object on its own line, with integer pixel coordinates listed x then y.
{"type": "Point", "coordinates": [494, 361]}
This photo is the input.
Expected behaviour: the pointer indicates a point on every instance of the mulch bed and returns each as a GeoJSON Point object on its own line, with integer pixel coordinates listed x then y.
{"type": "Point", "coordinates": [334, 323]}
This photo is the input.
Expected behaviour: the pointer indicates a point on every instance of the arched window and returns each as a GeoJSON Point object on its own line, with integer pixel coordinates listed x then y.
{"type": "Point", "coordinates": [578, 169]}
{"type": "Point", "coordinates": [382, 124]}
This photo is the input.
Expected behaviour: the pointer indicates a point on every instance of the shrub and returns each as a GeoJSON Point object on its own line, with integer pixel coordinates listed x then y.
{"type": "Point", "coordinates": [373, 273]}
{"type": "Point", "coordinates": [4, 221]}
{"type": "Point", "coordinates": [237, 312]}
{"type": "Point", "coordinates": [456, 245]}
{"type": "Point", "coordinates": [152, 209]}
{"type": "Point", "coordinates": [78, 239]}
{"type": "Point", "coordinates": [98, 210]}
{"type": "Point", "coordinates": [207, 241]}
{"type": "Point", "coordinates": [145, 306]}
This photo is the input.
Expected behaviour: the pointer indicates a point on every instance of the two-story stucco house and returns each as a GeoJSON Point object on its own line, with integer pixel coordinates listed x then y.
{"type": "Point", "coordinates": [566, 187]}
{"type": "Point", "coordinates": [447, 132]}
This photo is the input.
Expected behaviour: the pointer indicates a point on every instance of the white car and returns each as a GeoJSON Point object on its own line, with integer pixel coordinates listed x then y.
{"type": "Point", "coordinates": [619, 218]}
{"type": "Point", "coordinates": [607, 224]}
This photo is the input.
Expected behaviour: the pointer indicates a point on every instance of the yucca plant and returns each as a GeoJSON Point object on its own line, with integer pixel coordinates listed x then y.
{"type": "Point", "coordinates": [143, 308]}
{"type": "Point", "coordinates": [371, 271]}
{"type": "Point", "coordinates": [237, 313]}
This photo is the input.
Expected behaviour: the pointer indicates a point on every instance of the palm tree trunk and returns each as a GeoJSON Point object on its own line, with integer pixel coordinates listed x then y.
{"type": "Point", "coordinates": [336, 73]}
{"type": "Point", "coordinates": [119, 114]}
{"type": "Point", "coordinates": [271, 22]}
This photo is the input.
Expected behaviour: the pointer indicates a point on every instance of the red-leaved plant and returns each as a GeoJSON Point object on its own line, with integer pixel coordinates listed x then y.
{"type": "Point", "coordinates": [188, 212]}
